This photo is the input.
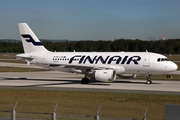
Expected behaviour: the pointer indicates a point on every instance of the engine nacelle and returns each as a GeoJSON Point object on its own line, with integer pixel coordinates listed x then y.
{"type": "Point", "coordinates": [105, 75]}
{"type": "Point", "coordinates": [127, 76]}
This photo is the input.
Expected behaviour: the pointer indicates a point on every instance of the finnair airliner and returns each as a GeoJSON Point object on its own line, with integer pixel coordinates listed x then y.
{"type": "Point", "coordinates": [102, 66]}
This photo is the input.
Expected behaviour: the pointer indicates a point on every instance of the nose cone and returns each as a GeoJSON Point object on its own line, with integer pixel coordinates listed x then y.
{"type": "Point", "coordinates": [174, 67]}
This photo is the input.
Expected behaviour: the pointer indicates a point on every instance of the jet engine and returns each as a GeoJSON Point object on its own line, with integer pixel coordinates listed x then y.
{"type": "Point", "coordinates": [105, 75]}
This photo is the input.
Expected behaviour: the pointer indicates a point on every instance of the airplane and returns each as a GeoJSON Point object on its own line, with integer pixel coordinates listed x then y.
{"type": "Point", "coordinates": [101, 66]}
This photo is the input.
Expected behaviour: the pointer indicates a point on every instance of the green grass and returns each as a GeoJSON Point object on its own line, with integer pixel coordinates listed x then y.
{"type": "Point", "coordinates": [13, 61]}
{"type": "Point", "coordinates": [7, 55]}
{"type": "Point", "coordinates": [122, 105]}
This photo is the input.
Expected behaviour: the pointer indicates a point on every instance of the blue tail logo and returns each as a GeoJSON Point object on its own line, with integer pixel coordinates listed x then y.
{"type": "Point", "coordinates": [28, 38]}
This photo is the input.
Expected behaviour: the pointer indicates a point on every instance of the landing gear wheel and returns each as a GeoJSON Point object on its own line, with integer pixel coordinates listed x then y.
{"type": "Point", "coordinates": [148, 79]}
{"type": "Point", "coordinates": [85, 81]}
{"type": "Point", "coordinates": [148, 82]}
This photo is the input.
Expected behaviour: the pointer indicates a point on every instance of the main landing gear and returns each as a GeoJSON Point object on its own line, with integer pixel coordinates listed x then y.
{"type": "Point", "coordinates": [85, 80]}
{"type": "Point", "coordinates": [148, 79]}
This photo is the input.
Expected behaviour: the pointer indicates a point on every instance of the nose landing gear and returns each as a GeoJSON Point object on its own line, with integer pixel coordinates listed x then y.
{"type": "Point", "coordinates": [148, 79]}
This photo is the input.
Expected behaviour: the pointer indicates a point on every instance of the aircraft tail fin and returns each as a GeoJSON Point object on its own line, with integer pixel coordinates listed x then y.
{"type": "Point", "coordinates": [29, 40]}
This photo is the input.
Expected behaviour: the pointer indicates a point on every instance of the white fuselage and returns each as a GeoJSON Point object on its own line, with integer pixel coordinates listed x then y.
{"type": "Point", "coordinates": [132, 62]}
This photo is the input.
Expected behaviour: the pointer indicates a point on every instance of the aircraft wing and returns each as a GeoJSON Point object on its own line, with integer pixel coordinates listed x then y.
{"type": "Point", "coordinates": [86, 68]}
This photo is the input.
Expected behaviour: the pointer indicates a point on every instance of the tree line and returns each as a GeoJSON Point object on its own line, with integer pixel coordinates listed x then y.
{"type": "Point", "coordinates": [171, 46]}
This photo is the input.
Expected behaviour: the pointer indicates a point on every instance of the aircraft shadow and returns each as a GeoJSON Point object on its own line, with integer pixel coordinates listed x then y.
{"type": "Point", "coordinates": [67, 82]}
{"type": "Point", "coordinates": [36, 85]}
{"type": "Point", "coordinates": [39, 79]}
{"type": "Point", "coordinates": [43, 85]}
{"type": "Point", "coordinates": [134, 82]}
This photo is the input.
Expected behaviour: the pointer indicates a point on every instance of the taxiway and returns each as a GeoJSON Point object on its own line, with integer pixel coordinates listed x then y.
{"type": "Point", "coordinates": [56, 80]}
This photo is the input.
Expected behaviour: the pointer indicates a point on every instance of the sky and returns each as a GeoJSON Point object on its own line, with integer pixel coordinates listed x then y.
{"type": "Point", "coordinates": [91, 19]}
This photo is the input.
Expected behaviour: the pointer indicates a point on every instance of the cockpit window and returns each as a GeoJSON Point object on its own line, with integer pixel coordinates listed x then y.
{"type": "Point", "coordinates": [162, 59]}
{"type": "Point", "coordinates": [166, 59]}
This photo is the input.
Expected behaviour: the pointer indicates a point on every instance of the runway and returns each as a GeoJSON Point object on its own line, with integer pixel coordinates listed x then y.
{"type": "Point", "coordinates": [56, 80]}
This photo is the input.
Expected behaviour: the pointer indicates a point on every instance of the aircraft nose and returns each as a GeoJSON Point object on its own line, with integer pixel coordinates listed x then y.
{"type": "Point", "coordinates": [174, 67]}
